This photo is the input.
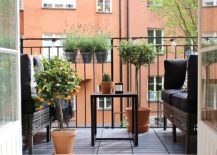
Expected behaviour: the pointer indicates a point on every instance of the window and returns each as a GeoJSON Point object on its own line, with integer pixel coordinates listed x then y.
{"type": "Point", "coordinates": [155, 85]}
{"type": "Point", "coordinates": [154, 3]}
{"type": "Point", "coordinates": [52, 48]}
{"type": "Point", "coordinates": [104, 102]}
{"type": "Point", "coordinates": [104, 6]}
{"type": "Point", "coordinates": [156, 39]}
{"type": "Point", "coordinates": [209, 2]}
{"type": "Point", "coordinates": [67, 4]}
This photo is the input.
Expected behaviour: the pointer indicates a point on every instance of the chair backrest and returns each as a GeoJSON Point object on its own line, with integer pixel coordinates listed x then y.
{"type": "Point", "coordinates": [175, 71]}
{"type": "Point", "coordinates": [192, 81]}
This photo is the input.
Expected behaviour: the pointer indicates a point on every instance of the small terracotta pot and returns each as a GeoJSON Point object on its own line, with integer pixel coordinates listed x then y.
{"type": "Point", "coordinates": [143, 119]}
{"type": "Point", "coordinates": [64, 140]}
{"type": "Point", "coordinates": [106, 87]}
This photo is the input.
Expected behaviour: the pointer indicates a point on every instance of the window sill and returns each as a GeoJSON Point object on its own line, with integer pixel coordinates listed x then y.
{"type": "Point", "coordinates": [58, 8]}
{"type": "Point", "coordinates": [98, 12]}
{"type": "Point", "coordinates": [106, 109]}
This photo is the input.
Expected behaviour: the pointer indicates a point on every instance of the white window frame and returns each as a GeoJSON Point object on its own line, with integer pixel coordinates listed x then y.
{"type": "Point", "coordinates": [209, 41]}
{"type": "Point", "coordinates": [63, 4]}
{"type": "Point", "coordinates": [106, 107]}
{"type": "Point", "coordinates": [206, 2]}
{"type": "Point", "coordinates": [103, 10]}
{"type": "Point", "coordinates": [155, 91]}
{"type": "Point", "coordinates": [154, 39]}
{"type": "Point", "coordinates": [49, 43]}
{"type": "Point", "coordinates": [73, 102]}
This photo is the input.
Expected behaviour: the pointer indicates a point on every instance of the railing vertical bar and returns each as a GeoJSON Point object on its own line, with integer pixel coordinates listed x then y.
{"type": "Point", "coordinates": [49, 53]}
{"type": "Point", "coordinates": [121, 80]}
{"type": "Point", "coordinates": [158, 108]}
{"type": "Point", "coordinates": [149, 72]}
{"type": "Point", "coordinates": [175, 52]}
{"type": "Point", "coordinates": [76, 101]}
{"type": "Point", "coordinates": [31, 50]}
{"type": "Point", "coordinates": [103, 112]}
{"type": "Point", "coordinates": [140, 86]}
{"type": "Point", "coordinates": [40, 50]}
{"type": "Point", "coordinates": [21, 45]}
{"type": "Point", "coordinates": [166, 51]}
{"type": "Point", "coordinates": [58, 53]}
{"type": "Point", "coordinates": [112, 76]}
{"type": "Point", "coordinates": [94, 80]}
{"type": "Point", "coordinates": [85, 96]}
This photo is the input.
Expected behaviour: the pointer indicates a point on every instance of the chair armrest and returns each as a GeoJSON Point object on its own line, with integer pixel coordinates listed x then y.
{"type": "Point", "coordinates": [175, 71]}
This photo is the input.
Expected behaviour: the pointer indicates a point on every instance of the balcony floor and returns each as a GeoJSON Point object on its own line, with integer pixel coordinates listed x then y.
{"type": "Point", "coordinates": [156, 141]}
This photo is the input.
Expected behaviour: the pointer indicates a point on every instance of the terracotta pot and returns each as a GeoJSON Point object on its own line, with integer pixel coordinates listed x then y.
{"type": "Point", "coordinates": [143, 119]}
{"type": "Point", "coordinates": [64, 140]}
{"type": "Point", "coordinates": [106, 87]}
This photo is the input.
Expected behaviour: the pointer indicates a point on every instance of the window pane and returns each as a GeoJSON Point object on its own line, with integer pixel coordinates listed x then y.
{"type": "Point", "coordinates": [8, 24]}
{"type": "Point", "coordinates": [107, 7]}
{"type": "Point", "coordinates": [151, 87]}
{"type": "Point", "coordinates": [100, 1]}
{"type": "Point", "coordinates": [151, 96]}
{"type": "Point", "coordinates": [108, 103]}
{"type": "Point", "coordinates": [100, 7]}
{"type": "Point", "coordinates": [158, 33]}
{"type": "Point", "coordinates": [150, 79]}
{"type": "Point", "coordinates": [107, 1]}
{"type": "Point", "coordinates": [8, 88]}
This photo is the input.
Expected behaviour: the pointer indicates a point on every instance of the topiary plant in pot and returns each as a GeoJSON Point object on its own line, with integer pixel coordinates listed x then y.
{"type": "Point", "coordinates": [57, 82]}
{"type": "Point", "coordinates": [70, 45]}
{"type": "Point", "coordinates": [106, 84]}
{"type": "Point", "coordinates": [137, 53]}
{"type": "Point", "coordinates": [102, 45]}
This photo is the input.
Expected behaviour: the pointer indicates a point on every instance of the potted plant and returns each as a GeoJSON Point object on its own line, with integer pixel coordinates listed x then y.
{"type": "Point", "coordinates": [86, 46]}
{"type": "Point", "coordinates": [57, 82]}
{"type": "Point", "coordinates": [106, 84]}
{"type": "Point", "coordinates": [102, 45]}
{"type": "Point", "coordinates": [137, 53]}
{"type": "Point", "coordinates": [70, 47]}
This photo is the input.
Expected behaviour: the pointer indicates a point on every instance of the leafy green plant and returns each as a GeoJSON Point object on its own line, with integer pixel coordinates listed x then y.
{"type": "Point", "coordinates": [101, 42]}
{"type": "Point", "coordinates": [70, 44]}
{"type": "Point", "coordinates": [86, 44]}
{"type": "Point", "coordinates": [138, 53]}
{"type": "Point", "coordinates": [106, 78]}
{"type": "Point", "coordinates": [58, 81]}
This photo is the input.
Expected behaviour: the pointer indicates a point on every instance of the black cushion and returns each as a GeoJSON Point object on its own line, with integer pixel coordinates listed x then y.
{"type": "Point", "coordinates": [192, 81]}
{"type": "Point", "coordinates": [180, 101]}
{"type": "Point", "coordinates": [174, 73]}
{"type": "Point", "coordinates": [166, 94]}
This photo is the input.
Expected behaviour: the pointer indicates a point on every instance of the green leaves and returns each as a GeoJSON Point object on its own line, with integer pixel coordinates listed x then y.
{"type": "Point", "coordinates": [137, 53]}
{"type": "Point", "coordinates": [58, 79]}
{"type": "Point", "coordinates": [106, 78]}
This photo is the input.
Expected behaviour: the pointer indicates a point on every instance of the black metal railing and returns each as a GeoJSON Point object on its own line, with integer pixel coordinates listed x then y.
{"type": "Point", "coordinates": [91, 73]}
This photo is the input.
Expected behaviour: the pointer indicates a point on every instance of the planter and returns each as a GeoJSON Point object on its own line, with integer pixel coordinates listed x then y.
{"type": "Point", "coordinates": [106, 87]}
{"type": "Point", "coordinates": [64, 140]}
{"type": "Point", "coordinates": [143, 119]}
{"type": "Point", "coordinates": [86, 57]}
{"type": "Point", "coordinates": [101, 57]}
{"type": "Point", "coordinates": [71, 56]}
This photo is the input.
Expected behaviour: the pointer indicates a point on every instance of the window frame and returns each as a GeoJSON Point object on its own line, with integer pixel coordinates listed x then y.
{"type": "Point", "coordinates": [205, 1]}
{"type": "Point", "coordinates": [156, 99]}
{"type": "Point", "coordinates": [106, 107]}
{"type": "Point", "coordinates": [103, 10]}
{"type": "Point", "coordinates": [55, 2]}
{"type": "Point", "coordinates": [161, 51]}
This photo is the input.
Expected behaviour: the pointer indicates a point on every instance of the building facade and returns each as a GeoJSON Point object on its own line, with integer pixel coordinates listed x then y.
{"type": "Point", "coordinates": [121, 19]}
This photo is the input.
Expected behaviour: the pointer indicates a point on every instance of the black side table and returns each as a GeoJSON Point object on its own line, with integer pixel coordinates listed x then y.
{"type": "Point", "coordinates": [134, 97]}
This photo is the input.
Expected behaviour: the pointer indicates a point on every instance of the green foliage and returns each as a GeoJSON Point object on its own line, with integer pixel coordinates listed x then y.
{"type": "Point", "coordinates": [209, 58]}
{"type": "Point", "coordinates": [106, 78]}
{"type": "Point", "coordinates": [70, 44]}
{"type": "Point", "coordinates": [58, 80]}
{"type": "Point", "coordinates": [182, 14]}
{"type": "Point", "coordinates": [86, 44]}
{"type": "Point", "coordinates": [101, 42]}
{"type": "Point", "coordinates": [137, 53]}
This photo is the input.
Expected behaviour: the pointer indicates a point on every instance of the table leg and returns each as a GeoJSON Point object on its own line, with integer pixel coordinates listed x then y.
{"type": "Point", "coordinates": [92, 121]}
{"type": "Point", "coordinates": [136, 119]}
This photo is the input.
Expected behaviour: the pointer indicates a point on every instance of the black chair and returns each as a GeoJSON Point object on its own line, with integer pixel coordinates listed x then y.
{"type": "Point", "coordinates": [32, 121]}
{"type": "Point", "coordinates": [181, 107]}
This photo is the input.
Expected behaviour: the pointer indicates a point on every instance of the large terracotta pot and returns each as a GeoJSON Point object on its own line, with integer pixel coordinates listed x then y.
{"type": "Point", "coordinates": [143, 119]}
{"type": "Point", "coordinates": [64, 140]}
{"type": "Point", "coordinates": [106, 87]}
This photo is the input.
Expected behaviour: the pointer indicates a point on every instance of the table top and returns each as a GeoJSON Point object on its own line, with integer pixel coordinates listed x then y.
{"type": "Point", "coordinates": [125, 94]}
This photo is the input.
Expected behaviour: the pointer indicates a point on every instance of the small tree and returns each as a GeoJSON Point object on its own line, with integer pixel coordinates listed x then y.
{"type": "Point", "coordinates": [137, 53]}
{"type": "Point", "coordinates": [58, 81]}
{"type": "Point", "coordinates": [180, 14]}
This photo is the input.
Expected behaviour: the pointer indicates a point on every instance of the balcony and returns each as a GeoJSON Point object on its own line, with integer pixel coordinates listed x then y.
{"type": "Point", "coordinates": [157, 140]}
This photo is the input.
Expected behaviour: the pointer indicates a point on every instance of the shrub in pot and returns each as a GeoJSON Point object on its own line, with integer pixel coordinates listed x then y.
{"type": "Point", "coordinates": [57, 82]}
{"type": "Point", "coordinates": [70, 45]}
{"type": "Point", "coordinates": [106, 84]}
{"type": "Point", "coordinates": [86, 46]}
{"type": "Point", "coordinates": [137, 53]}
{"type": "Point", "coordinates": [102, 45]}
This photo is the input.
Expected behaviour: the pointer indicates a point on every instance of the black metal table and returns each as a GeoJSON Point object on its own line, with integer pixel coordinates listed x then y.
{"type": "Point", "coordinates": [134, 97]}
